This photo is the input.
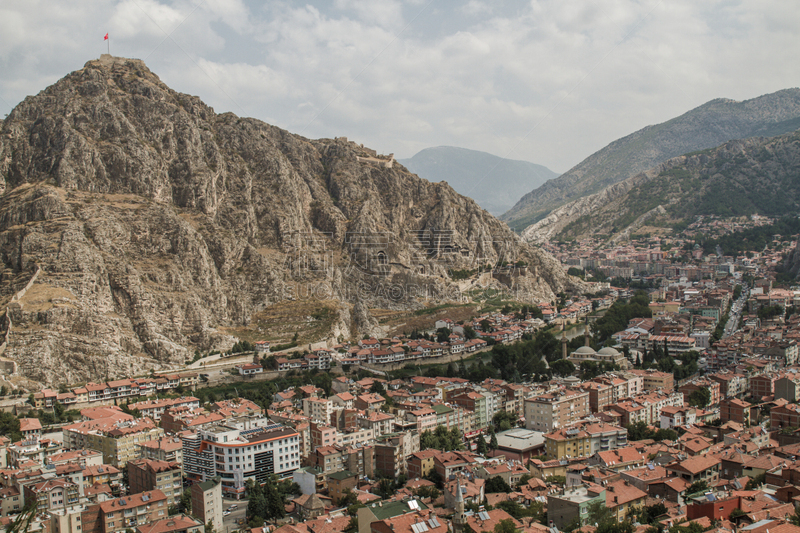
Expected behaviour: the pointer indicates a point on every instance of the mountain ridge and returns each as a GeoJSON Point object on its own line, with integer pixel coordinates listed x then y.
{"type": "Point", "coordinates": [741, 177]}
{"type": "Point", "coordinates": [477, 174]}
{"type": "Point", "coordinates": [159, 227]}
{"type": "Point", "coordinates": [705, 126]}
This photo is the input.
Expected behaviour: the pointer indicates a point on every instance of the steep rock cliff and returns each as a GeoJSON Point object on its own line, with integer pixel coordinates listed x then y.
{"type": "Point", "coordinates": [157, 225]}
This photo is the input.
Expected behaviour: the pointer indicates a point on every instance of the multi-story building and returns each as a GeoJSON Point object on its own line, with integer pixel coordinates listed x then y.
{"type": "Point", "coordinates": [655, 380]}
{"type": "Point", "coordinates": [475, 402]}
{"type": "Point", "coordinates": [556, 409]}
{"type": "Point", "coordinates": [35, 450]}
{"type": "Point", "coordinates": [785, 416]}
{"type": "Point", "coordinates": [329, 459]}
{"type": "Point", "coordinates": [673, 416]}
{"type": "Point", "coordinates": [392, 450]}
{"type": "Point", "coordinates": [573, 504]}
{"type": "Point", "coordinates": [155, 408]}
{"type": "Point", "coordinates": [117, 439]}
{"type": "Point", "coordinates": [318, 409]}
{"type": "Point", "coordinates": [646, 407]}
{"type": "Point", "coordinates": [207, 502]}
{"type": "Point", "coordinates": [736, 410]}
{"type": "Point", "coordinates": [420, 464]}
{"type": "Point", "coordinates": [787, 387]}
{"type": "Point", "coordinates": [379, 422]}
{"type": "Point", "coordinates": [163, 449]}
{"type": "Point", "coordinates": [731, 385]}
{"type": "Point", "coordinates": [451, 416]}
{"type": "Point", "coordinates": [599, 395]}
{"type": "Point", "coordinates": [53, 494]}
{"type": "Point", "coordinates": [147, 474]}
{"type": "Point", "coordinates": [423, 419]}
{"type": "Point", "coordinates": [696, 468]}
{"type": "Point", "coordinates": [762, 385]}
{"type": "Point", "coordinates": [127, 512]}
{"type": "Point", "coordinates": [236, 455]}
{"type": "Point", "coordinates": [701, 383]}
{"type": "Point", "coordinates": [581, 440]}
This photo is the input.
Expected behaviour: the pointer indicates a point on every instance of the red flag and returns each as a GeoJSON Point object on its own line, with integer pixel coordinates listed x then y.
{"type": "Point", "coordinates": [106, 37]}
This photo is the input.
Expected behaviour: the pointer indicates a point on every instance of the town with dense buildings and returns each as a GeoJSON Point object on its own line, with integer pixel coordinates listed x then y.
{"type": "Point", "coordinates": [671, 405]}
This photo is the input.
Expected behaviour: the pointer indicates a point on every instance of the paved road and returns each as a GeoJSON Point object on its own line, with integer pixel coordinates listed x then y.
{"type": "Point", "coordinates": [231, 521]}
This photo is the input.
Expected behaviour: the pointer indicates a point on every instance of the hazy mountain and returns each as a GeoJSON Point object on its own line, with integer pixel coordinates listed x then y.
{"type": "Point", "coordinates": [137, 225]}
{"type": "Point", "coordinates": [741, 177]}
{"type": "Point", "coordinates": [707, 126]}
{"type": "Point", "coordinates": [494, 182]}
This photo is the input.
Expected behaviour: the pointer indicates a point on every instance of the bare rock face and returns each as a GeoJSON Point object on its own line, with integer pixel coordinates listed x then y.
{"type": "Point", "coordinates": [155, 224]}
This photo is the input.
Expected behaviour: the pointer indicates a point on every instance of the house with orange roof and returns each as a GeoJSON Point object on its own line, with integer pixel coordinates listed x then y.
{"type": "Point", "coordinates": [623, 499]}
{"type": "Point", "coordinates": [619, 459]}
{"type": "Point", "coordinates": [173, 524]}
{"type": "Point", "coordinates": [696, 468]}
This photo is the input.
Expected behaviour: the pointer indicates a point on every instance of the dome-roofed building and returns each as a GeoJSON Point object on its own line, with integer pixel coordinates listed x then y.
{"type": "Point", "coordinates": [607, 354]}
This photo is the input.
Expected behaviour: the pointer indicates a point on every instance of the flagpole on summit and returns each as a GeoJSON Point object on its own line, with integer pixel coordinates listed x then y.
{"type": "Point", "coordinates": [108, 43]}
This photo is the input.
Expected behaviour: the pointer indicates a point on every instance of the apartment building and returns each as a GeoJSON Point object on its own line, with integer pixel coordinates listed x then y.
{"type": "Point", "coordinates": [236, 455]}
{"type": "Point", "coordinates": [555, 410]}
{"type": "Point", "coordinates": [117, 439]}
{"type": "Point", "coordinates": [147, 474]}
{"type": "Point", "coordinates": [207, 502]}
{"type": "Point", "coordinates": [120, 514]}
{"type": "Point", "coordinates": [584, 439]}
{"type": "Point", "coordinates": [655, 380]}
{"type": "Point", "coordinates": [392, 450]}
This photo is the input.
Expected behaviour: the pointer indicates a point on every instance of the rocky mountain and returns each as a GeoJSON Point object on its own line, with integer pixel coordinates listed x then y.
{"type": "Point", "coordinates": [741, 177]}
{"type": "Point", "coordinates": [707, 126]}
{"type": "Point", "coordinates": [137, 225]}
{"type": "Point", "coordinates": [495, 183]}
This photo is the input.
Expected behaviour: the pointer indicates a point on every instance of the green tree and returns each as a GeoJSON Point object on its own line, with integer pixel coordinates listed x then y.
{"type": "Point", "coordinates": [209, 527]}
{"type": "Point", "coordinates": [503, 420]}
{"type": "Point", "coordinates": [493, 442]}
{"type": "Point", "coordinates": [496, 484]}
{"type": "Point", "coordinates": [352, 525]}
{"type": "Point", "coordinates": [348, 498]}
{"type": "Point", "coordinates": [795, 518]}
{"type": "Point", "coordinates": [562, 367]}
{"type": "Point", "coordinates": [186, 501]}
{"type": "Point", "coordinates": [700, 397]}
{"type": "Point", "coordinates": [598, 513]}
{"type": "Point", "coordinates": [698, 486]}
{"type": "Point", "coordinates": [505, 526]}
{"type": "Point", "coordinates": [755, 482]}
{"type": "Point", "coordinates": [9, 426]}
{"type": "Point", "coordinates": [427, 491]}
{"type": "Point", "coordinates": [274, 503]}
{"type": "Point", "coordinates": [469, 333]}
{"type": "Point", "coordinates": [385, 488]}
{"type": "Point", "coordinates": [481, 446]}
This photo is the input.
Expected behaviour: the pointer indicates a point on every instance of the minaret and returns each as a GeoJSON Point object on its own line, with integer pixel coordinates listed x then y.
{"type": "Point", "coordinates": [459, 519]}
{"type": "Point", "coordinates": [586, 332]}
{"type": "Point", "coordinates": [563, 338]}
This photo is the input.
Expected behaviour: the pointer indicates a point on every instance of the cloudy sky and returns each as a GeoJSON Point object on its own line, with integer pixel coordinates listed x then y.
{"type": "Point", "coordinates": [546, 81]}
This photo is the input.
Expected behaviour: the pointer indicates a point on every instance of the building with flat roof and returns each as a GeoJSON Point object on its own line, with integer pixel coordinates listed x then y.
{"type": "Point", "coordinates": [556, 409]}
{"type": "Point", "coordinates": [207, 502]}
{"type": "Point", "coordinates": [520, 443]}
{"type": "Point", "coordinates": [236, 455]}
{"type": "Point", "coordinates": [572, 504]}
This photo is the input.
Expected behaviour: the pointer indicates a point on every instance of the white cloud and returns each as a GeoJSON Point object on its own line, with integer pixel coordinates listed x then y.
{"type": "Point", "coordinates": [548, 81]}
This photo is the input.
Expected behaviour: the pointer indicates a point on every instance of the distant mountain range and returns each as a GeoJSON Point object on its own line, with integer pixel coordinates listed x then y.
{"type": "Point", "coordinates": [707, 126]}
{"type": "Point", "coordinates": [741, 177]}
{"type": "Point", "coordinates": [495, 183]}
